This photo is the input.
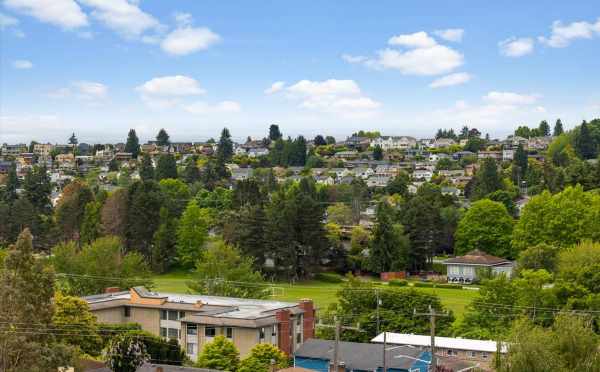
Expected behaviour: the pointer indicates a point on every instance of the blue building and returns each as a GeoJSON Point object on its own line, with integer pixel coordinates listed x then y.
{"type": "Point", "coordinates": [317, 355]}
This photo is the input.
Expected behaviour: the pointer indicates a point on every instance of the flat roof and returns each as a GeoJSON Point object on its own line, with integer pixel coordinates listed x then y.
{"type": "Point", "coordinates": [445, 342]}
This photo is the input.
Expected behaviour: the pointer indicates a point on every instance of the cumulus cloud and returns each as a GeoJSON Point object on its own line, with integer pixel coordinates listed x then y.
{"type": "Point", "coordinates": [516, 47]}
{"type": "Point", "coordinates": [22, 64]}
{"type": "Point", "coordinates": [414, 54]}
{"type": "Point", "coordinates": [275, 87]}
{"type": "Point", "coordinates": [177, 85]}
{"type": "Point", "coordinates": [90, 91]}
{"type": "Point", "coordinates": [63, 13]}
{"type": "Point", "coordinates": [451, 34]}
{"type": "Point", "coordinates": [183, 19]}
{"type": "Point", "coordinates": [186, 40]}
{"type": "Point", "coordinates": [562, 35]}
{"type": "Point", "coordinates": [450, 80]}
{"type": "Point", "coordinates": [122, 16]}
{"type": "Point", "coordinates": [340, 97]}
{"type": "Point", "coordinates": [202, 108]}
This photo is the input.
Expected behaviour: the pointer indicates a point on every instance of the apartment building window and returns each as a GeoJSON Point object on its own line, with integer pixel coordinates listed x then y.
{"type": "Point", "coordinates": [484, 355]}
{"type": "Point", "coordinates": [192, 329]}
{"type": "Point", "coordinates": [191, 348]}
{"type": "Point", "coordinates": [229, 332]}
{"type": "Point", "coordinates": [173, 333]}
{"type": "Point", "coordinates": [473, 354]}
{"type": "Point", "coordinates": [210, 332]}
{"type": "Point", "coordinates": [261, 334]}
{"type": "Point", "coordinates": [173, 315]}
{"type": "Point", "coordinates": [298, 338]}
{"type": "Point", "coordinates": [181, 314]}
{"type": "Point", "coordinates": [274, 334]}
{"type": "Point", "coordinates": [163, 315]}
{"type": "Point", "coordinates": [163, 332]}
{"type": "Point", "coordinates": [127, 311]}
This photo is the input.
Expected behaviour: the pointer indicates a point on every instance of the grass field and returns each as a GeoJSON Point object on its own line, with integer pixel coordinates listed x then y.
{"type": "Point", "coordinates": [321, 293]}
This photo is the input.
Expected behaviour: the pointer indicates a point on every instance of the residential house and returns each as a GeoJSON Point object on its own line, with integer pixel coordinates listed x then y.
{"type": "Point", "coordinates": [43, 150]}
{"type": "Point", "coordinates": [394, 142]}
{"type": "Point", "coordinates": [422, 174]}
{"type": "Point", "coordinates": [451, 173]}
{"type": "Point", "coordinates": [496, 155]}
{"type": "Point", "coordinates": [357, 143]}
{"type": "Point", "coordinates": [340, 172]}
{"type": "Point", "coordinates": [324, 180]}
{"type": "Point", "coordinates": [346, 154]}
{"type": "Point", "coordinates": [13, 150]}
{"type": "Point", "coordinates": [123, 156]}
{"type": "Point", "coordinates": [450, 191]}
{"type": "Point", "coordinates": [463, 269]}
{"type": "Point", "coordinates": [363, 172]}
{"type": "Point", "coordinates": [461, 154]}
{"type": "Point", "coordinates": [65, 161]}
{"type": "Point", "coordinates": [194, 320]}
{"type": "Point", "coordinates": [478, 352]}
{"type": "Point", "coordinates": [387, 170]}
{"type": "Point", "coordinates": [5, 166]}
{"type": "Point", "coordinates": [434, 158]}
{"type": "Point", "coordinates": [240, 174]}
{"type": "Point", "coordinates": [378, 181]}
{"type": "Point", "coordinates": [318, 355]}
{"type": "Point", "coordinates": [539, 143]}
{"type": "Point", "coordinates": [442, 142]}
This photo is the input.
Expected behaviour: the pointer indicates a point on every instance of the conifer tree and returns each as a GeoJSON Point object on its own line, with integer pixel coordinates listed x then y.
{"type": "Point", "coordinates": [133, 144]}
{"type": "Point", "coordinates": [162, 138]}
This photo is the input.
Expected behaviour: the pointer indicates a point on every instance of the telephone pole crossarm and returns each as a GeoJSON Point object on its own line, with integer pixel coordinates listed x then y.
{"type": "Point", "coordinates": [432, 314]}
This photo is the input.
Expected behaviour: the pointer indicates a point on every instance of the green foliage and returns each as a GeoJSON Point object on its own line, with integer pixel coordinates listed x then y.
{"type": "Point", "coordinates": [584, 144]}
{"type": "Point", "coordinates": [37, 188]}
{"type": "Point", "coordinates": [274, 133]}
{"type": "Point", "coordinates": [162, 138]}
{"type": "Point", "coordinates": [143, 215]}
{"type": "Point", "coordinates": [9, 192]}
{"type": "Point", "coordinates": [486, 226]}
{"type": "Point", "coordinates": [192, 233]}
{"type": "Point", "coordinates": [340, 213]}
{"type": "Point", "coordinates": [113, 215]}
{"type": "Point", "coordinates": [541, 256]}
{"type": "Point", "coordinates": [125, 353]}
{"type": "Point", "coordinates": [158, 349]}
{"type": "Point", "coordinates": [73, 315]}
{"type": "Point", "coordinates": [398, 283]}
{"type": "Point", "coordinates": [558, 128]}
{"type": "Point", "coordinates": [146, 170]}
{"type": "Point", "coordinates": [102, 258]}
{"type": "Point", "coordinates": [70, 209]}
{"type": "Point", "coordinates": [166, 167]}
{"type": "Point", "coordinates": [399, 185]}
{"type": "Point", "coordinates": [487, 179]}
{"type": "Point", "coordinates": [132, 144]}
{"type": "Point", "coordinates": [377, 153]}
{"type": "Point", "coordinates": [560, 220]}
{"type": "Point", "coordinates": [176, 195]}
{"type": "Point", "coordinates": [163, 253]}
{"type": "Point", "coordinates": [221, 268]}
{"type": "Point", "coordinates": [219, 354]}
{"type": "Point", "coordinates": [329, 278]}
{"type": "Point", "coordinates": [389, 247]}
{"type": "Point", "coordinates": [90, 226]}
{"type": "Point", "coordinates": [262, 358]}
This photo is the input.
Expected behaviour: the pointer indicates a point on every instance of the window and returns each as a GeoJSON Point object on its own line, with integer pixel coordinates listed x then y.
{"type": "Point", "coordinates": [191, 349]}
{"type": "Point", "coordinates": [274, 331]}
{"type": "Point", "coordinates": [484, 355]}
{"type": "Point", "coordinates": [299, 338]}
{"type": "Point", "coordinates": [163, 332]}
{"type": "Point", "coordinates": [299, 320]}
{"type": "Point", "coordinates": [192, 329]}
{"type": "Point", "coordinates": [127, 311]}
{"type": "Point", "coordinates": [163, 314]}
{"type": "Point", "coordinates": [261, 334]}
{"type": "Point", "coordinates": [473, 354]}
{"type": "Point", "coordinates": [210, 332]}
{"type": "Point", "coordinates": [229, 332]}
{"type": "Point", "coordinates": [173, 315]}
{"type": "Point", "coordinates": [450, 352]}
{"type": "Point", "coordinates": [173, 333]}
{"type": "Point", "coordinates": [181, 314]}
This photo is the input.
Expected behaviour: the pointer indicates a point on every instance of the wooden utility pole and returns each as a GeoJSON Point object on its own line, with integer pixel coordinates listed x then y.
{"type": "Point", "coordinates": [432, 314]}
{"type": "Point", "coordinates": [384, 351]}
{"type": "Point", "coordinates": [377, 311]}
{"type": "Point", "coordinates": [338, 330]}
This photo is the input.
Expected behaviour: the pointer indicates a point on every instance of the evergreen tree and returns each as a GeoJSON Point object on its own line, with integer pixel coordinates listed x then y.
{"type": "Point", "coordinates": [544, 129]}
{"type": "Point", "coordinates": [330, 140]}
{"type": "Point", "coordinates": [191, 173]}
{"type": "Point", "coordinates": [9, 193]}
{"type": "Point", "coordinates": [487, 179]}
{"type": "Point", "coordinates": [192, 233]}
{"type": "Point", "coordinates": [274, 133]}
{"type": "Point", "coordinates": [378, 153]}
{"type": "Point", "coordinates": [70, 208]}
{"type": "Point", "coordinates": [162, 138]}
{"type": "Point", "coordinates": [146, 168]}
{"type": "Point", "coordinates": [163, 242]}
{"type": "Point", "coordinates": [27, 287]}
{"type": "Point", "coordinates": [298, 152]}
{"type": "Point", "coordinates": [423, 225]}
{"type": "Point", "coordinates": [133, 144]}
{"type": "Point", "coordinates": [113, 165]}
{"type": "Point", "coordinates": [389, 247]}
{"type": "Point", "coordinates": [224, 153]}
{"type": "Point", "coordinates": [248, 233]}
{"type": "Point", "coordinates": [166, 167]}
{"type": "Point", "coordinates": [558, 128]}
{"type": "Point", "coordinates": [73, 140]}
{"type": "Point", "coordinates": [521, 161]}
{"type": "Point", "coordinates": [143, 217]}
{"type": "Point", "coordinates": [38, 188]}
{"type": "Point", "coordinates": [584, 142]}
{"type": "Point", "coordinates": [319, 140]}
{"type": "Point", "coordinates": [90, 226]}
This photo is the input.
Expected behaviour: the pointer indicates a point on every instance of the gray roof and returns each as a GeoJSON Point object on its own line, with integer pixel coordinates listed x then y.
{"type": "Point", "coordinates": [149, 367]}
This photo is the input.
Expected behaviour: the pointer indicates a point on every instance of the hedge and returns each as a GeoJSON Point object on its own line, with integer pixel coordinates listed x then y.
{"type": "Point", "coordinates": [398, 283]}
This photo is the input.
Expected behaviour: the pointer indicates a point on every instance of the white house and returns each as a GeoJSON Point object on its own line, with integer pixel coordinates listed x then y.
{"type": "Point", "coordinates": [422, 174]}
{"type": "Point", "coordinates": [394, 142]}
{"type": "Point", "coordinates": [463, 269]}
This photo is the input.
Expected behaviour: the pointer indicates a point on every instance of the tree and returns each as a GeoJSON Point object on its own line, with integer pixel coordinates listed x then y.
{"type": "Point", "coordinates": [541, 256]}
{"type": "Point", "coordinates": [521, 161]}
{"type": "Point", "coordinates": [163, 252]}
{"type": "Point", "coordinates": [274, 133]}
{"type": "Point", "coordinates": [166, 167]}
{"type": "Point", "coordinates": [133, 144]}
{"type": "Point", "coordinates": [125, 353]}
{"type": "Point", "coordinates": [319, 141]}
{"type": "Point", "coordinates": [506, 198]}
{"type": "Point", "coordinates": [191, 173]}
{"type": "Point", "coordinates": [558, 128]}
{"type": "Point", "coordinates": [27, 287]}
{"type": "Point", "coordinates": [9, 193]}
{"type": "Point", "coordinates": [399, 185]}
{"type": "Point", "coordinates": [340, 214]}
{"type": "Point", "coordinates": [225, 147]}
{"type": "Point", "coordinates": [330, 140]}
{"type": "Point", "coordinates": [544, 129]}
{"type": "Point", "coordinates": [378, 153]}
{"type": "Point", "coordinates": [104, 257]}
{"type": "Point", "coordinates": [247, 231]}
{"type": "Point", "coordinates": [422, 221]}
{"type": "Point", "coordinates": [38, 188]}
{"type": "Point", "coordinates": [192, 233]}
{"type": "Point", "coordinates": [162, 138]}
{"type": "Point", "coordinates": [113, 215]}
{"type": "Point", "coordinates": [487, 179]}
{"type": "Point", "coordinates": [220, 354]}
{"type": "Point", "coordinates": [70, 208]}
{"type": "Point", "coordinates": [584, 142]}
{"type": "Point", "coordinates": [389, 246]}
{"type": "Point", "coordinates": [219, 269]}
{"type": "Point", "coordinates": [143, 215]}
{"type": "Point", "coordinates": [262, 358]}
{"type": "Point", "coordinates": [176, 195]}
{"type": "Point", "coordinates": [146, 168]}
{"type": "Point", "coordinates": [73, 313]}
{"type": "Point", "coordinates": [73, 140]}
{"type": "Point", "coordinates": [91, 224]}
{"type": "Point", "coordinates": [486, 226]}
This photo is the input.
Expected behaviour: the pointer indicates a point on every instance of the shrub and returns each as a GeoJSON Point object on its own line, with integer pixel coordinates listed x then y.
{"type": "Point", "coordinates": [439, 268]}
{"type": "Point", "coordinates": [398, 283]}
{"type": "Point", "coordinates": [437, 285]}
{"type": "Point", "coordinates": [329, 278]}
{"type": "Point", "coordinates": [423, 284]}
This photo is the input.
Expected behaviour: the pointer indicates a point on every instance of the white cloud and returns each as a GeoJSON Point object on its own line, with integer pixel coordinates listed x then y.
{"type": "Point", "coordinates": [516, 47]}
{"type": "Point", "coordinates": [7, 21]}
{"type": "Point", "coordinates": [22, 64]}
{"type": "Point", "coordinates": [354, 59]}
{"type": "Point", "coordinates": [64, 13]}
{"type": "Point", "coordinates": [562, 34]}
{"type": "Point", "coordinates": [275, 87]}
{"type": "Point", "coordinates": [91, 90]}
{"type": "Point", "coordinates": [451, 34]}
{"type": "Point", "coordinates": [339, 97]}
{"type": "Point", "coordinates": [183, 19]}
{"type": "Point", "coordinates": [450, 80]}
{"type": "Point", "coordinates": [188, 40]}
{"type": "Point", "coordinates": [203, 108]}
{"type": "Point", "coordinates": [177, 85]}
{"type": "Point", "coordinates": [435, 60]}
{"type": "Point", "coordinates": [416, 40]}
{"type": "Point", "coordinates": [510, 98]}
{"type": "Point", "coordinates": [540, 109]}
{"type": "Point", "coordinates": [122, 16]}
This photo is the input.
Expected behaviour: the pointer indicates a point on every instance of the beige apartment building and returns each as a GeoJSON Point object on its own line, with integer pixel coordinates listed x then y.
{"type": "Point", "coordinates": [195, 320]}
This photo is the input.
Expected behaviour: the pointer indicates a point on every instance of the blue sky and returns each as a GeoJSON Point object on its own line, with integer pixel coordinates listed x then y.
{"type": "Point", "coordinates": [100, 67]}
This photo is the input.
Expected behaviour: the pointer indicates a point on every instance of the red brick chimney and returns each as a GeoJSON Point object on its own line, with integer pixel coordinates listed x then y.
{"type": "Point", "coordinates": [284, 336]}
{"type": "Point", "coordinates": [112, 290]}
{"type": "Point", "coordinates": [309, 318]}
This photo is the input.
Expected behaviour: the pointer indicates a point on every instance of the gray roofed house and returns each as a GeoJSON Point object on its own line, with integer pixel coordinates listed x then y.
{"type": "Point", "coordinates": [463, 269]}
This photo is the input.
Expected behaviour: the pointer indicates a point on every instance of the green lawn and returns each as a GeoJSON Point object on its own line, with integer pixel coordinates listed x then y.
{"type": "Point", "coordinates": [321, 293]}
